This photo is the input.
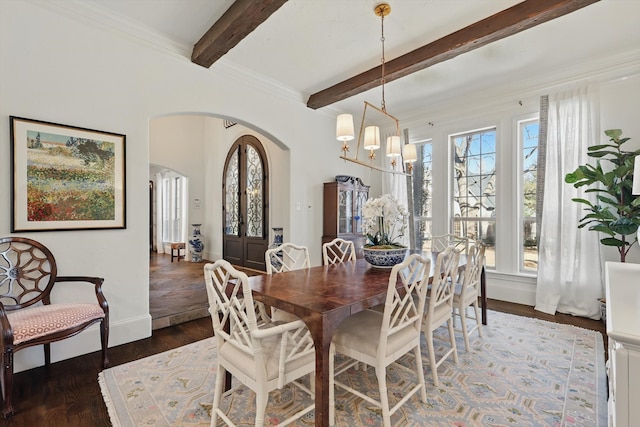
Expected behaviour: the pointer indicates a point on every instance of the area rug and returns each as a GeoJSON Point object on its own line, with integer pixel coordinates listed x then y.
{"type": "Point", "coordinates": [522, 372]}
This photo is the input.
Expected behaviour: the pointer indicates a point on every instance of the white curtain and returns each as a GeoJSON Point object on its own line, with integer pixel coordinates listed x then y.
{"type": "Point", "coordinates": [159, 195]}
{"type": "Point", "coordinates": [569, 269]}
{"type": "Point", "coordinates": [396, 185]}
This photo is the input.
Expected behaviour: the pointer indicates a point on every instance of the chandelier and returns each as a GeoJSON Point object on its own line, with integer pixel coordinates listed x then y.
{"type": "Point", "coordinates": [374, 120]}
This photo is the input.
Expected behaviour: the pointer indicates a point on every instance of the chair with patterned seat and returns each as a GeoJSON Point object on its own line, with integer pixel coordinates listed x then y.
{"type": "Point", "coordinates": [29, 316]}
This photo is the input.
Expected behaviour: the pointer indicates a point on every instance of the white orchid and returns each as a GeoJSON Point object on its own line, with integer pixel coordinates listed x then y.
{"type": "Point", "coordinates": [385, 221]}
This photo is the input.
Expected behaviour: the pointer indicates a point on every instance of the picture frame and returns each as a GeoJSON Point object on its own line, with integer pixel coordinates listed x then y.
{"type": "Point", "coordinates": [66, 177]}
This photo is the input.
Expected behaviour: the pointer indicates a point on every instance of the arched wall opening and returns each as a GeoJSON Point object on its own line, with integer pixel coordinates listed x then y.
{"type": "Point", "coordinates": [195, 145]}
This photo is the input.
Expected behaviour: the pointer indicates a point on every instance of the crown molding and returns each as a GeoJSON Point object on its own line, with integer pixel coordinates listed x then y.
{"type": "Point", "coordinates": [445, 108]}
{"type": "Point", "coordinates": [93, 13]}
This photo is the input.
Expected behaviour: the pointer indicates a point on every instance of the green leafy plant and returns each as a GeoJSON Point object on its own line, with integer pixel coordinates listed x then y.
{"type": "Point", "coordinates": [616, 213]}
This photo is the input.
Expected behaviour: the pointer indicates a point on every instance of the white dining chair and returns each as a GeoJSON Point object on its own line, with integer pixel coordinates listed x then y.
{"type": "Point", "coordinates": [439, 306]}
{"type": "Point", "coordinates": [380, 339]}
{"type": "Point", "coordinates": [286, 257]}
{"type": "Point", "coordinates": [338, 250]}
{"type": "Point", "coordinates": [265, 357]}
{"type": "Point", "coordinates": [440, 243]}
{"type": "Point", "coordinates": [467, 291]}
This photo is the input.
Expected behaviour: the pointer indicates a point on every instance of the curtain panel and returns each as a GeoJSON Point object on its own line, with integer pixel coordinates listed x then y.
{"type": "Point", "coordinates": [570, 269]}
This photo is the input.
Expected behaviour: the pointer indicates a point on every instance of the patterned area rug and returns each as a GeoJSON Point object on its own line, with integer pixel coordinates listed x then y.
{"type": "Point", "coordinates": [522, 372]}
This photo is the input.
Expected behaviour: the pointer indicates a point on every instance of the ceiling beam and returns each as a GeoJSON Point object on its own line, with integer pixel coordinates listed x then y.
{"type": "Point", "coordinates": [235, 24]}
{"type": "Point", "coordinates": [503, 24]}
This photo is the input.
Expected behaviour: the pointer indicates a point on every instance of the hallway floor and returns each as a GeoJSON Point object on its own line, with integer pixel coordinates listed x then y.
{"type": "Point", "coordinates": [176, 291]}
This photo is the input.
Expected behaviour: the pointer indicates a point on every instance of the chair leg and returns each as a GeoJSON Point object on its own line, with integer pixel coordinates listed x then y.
{"type": "Point", "coordinates": [465, 332]}
{"type": "Point", "coordinates": [47, 354]}
{"type": "Point", "coordinates": [452, 338]}
{"type": "Point", "coordinates": [418, 356]}
{"type": "Point", "coordinates": [381, 373]}
{"type": "Point", "coordinates": [104, 341]}
{"type": "Point", "coordinates": [478, 322]}
{"type": "Point", "coordinates": [262, 398]}
{"type": "Point", "coordinates": [7, 383]}
{"type": "Point", "coordinates": [432, 357]}
{"type": "Point", "coordinates": [217, 394]}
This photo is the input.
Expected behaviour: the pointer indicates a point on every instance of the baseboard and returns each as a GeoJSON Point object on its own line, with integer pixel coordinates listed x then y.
{"type": "Point", "coordinates": [85, 342]}
{"type": "Point", "coordinates": [174, 319]}
{"type": "Point", "coordinates": [511, 288]}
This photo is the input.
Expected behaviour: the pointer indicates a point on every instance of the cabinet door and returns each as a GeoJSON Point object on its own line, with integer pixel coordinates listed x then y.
{"type": "Point", "coordinates": [345, 211]}
{"type": "Point", "coordinates": [361, 198]}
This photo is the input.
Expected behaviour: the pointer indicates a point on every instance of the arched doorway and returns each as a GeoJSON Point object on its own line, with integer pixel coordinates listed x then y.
{"type": "Point", "coordinates": [245, 198]}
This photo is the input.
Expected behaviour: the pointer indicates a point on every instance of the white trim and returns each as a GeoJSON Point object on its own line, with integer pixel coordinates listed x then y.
{"type": "Point", "coordinates": [518, 289]}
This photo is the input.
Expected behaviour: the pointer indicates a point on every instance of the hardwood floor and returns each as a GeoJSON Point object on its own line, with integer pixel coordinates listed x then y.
{"type": "Point", "coordinates": [176, 291]}
{"type": "Point", "coordinates": [68, 394]}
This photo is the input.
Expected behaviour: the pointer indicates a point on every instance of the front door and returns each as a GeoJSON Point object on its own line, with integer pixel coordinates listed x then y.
{"type": "Point", "coordinates": [245, 203]}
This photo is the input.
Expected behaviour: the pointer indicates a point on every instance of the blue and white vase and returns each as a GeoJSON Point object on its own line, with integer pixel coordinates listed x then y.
{"type": "Point", "coordinates": [196, 243]}
{"type": "Point", "coordinates": [277, 237]}
{"type": "Point", "coordinates": [384, 258]}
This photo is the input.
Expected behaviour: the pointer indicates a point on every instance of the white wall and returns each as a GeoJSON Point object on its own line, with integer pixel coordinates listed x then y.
{"type": "Point", "coordinates": [68, 71]}
{"type": "Point", "coordinates": [62, 69]}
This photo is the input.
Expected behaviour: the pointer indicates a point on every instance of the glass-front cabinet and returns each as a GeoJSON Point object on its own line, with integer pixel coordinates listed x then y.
{"type": "Point", "coordinates": [342, 203]}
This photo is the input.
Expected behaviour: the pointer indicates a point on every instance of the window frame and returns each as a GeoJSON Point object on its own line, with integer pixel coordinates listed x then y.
{"type": "Point", "coordinates": [518, 198]}
{"type": "Point", "coordinates": [452, 219]}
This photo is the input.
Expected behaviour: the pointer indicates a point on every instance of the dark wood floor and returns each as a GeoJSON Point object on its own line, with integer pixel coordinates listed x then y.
{"type": "Point", "coordinates": [68, 394]}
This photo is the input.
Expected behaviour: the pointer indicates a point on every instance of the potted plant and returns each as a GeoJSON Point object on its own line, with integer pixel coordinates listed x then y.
{"type": "Point", "coordinates": [385, 222]}
{"type": "Point", "coordinates": [616, 212]}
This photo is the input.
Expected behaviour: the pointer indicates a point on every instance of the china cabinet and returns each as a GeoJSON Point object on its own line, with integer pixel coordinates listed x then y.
{"type": "Point", "coordinates": [343, 200]}
{"type": "Point", "coordinates": [623, 331]}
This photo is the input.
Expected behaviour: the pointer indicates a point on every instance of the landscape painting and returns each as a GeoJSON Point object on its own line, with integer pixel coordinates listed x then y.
{"type": "Point", "coordinates": [66, 178]}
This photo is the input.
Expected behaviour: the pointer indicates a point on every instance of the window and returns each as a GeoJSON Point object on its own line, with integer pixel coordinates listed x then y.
{"type": "Point", "coordinates": [422, 195]}
{"type": "Point", "coordinates": [173, 207]}
{"type": "Point", "coordinates": [474, 195]}
{"type": "Point", "coordinates": [528, 143]}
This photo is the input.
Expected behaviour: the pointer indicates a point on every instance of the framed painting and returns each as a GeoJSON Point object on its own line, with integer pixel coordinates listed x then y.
{"type": "Point", "coordinates": [66, 177]}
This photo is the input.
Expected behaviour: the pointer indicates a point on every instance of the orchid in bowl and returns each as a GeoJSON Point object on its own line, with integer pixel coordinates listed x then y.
{"type": "Point", "coordinates": [385, 221]}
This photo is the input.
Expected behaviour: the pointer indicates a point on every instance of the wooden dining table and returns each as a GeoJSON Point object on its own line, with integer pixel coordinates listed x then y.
{"type": "Point", "coordinates": [323, 297]}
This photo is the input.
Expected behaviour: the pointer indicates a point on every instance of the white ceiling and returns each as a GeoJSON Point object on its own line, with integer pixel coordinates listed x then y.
{"type": "Point", "coordinates": [309, 45]}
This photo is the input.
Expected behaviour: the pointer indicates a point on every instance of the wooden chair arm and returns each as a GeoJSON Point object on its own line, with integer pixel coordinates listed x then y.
{"type": "Point", "coordinates": [6, 335]}
{"type": "Point", "coordinates": [97, 282]}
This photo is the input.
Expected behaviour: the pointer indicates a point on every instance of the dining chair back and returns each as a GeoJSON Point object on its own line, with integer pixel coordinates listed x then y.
{"type": "Point", "coordinates": [263, 357]}
{"type": "Point", "coordinates": [286, 257]}
{"type": "Point", "coordinates": [467, 291]}
{"type": "Point", "coordinates": [338, 250]}
{"type": "Point", "coordinates": [380, 339]}
{"type": "Point", "coordinates": [439, 306]}
{"type": "Point", "coordinates": [440, 243]}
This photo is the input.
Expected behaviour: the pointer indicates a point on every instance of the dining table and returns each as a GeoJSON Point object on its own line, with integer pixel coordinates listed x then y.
{"type": "Point", "coordinates": [323, 296]}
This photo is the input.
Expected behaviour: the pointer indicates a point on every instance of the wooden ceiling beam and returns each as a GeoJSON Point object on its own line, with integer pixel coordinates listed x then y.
{"type": "Point", "coordinates": [503, 24]}
{"type": "Point", "coordinates": [235, 24]}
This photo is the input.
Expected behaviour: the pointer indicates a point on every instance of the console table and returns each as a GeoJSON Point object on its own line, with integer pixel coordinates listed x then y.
{"type": "Point", "coordinates": [623, 329]}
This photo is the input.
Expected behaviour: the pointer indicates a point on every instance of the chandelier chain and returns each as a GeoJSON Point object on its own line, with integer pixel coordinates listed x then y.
{"type": "Point", "coordinates": [382, 81]}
